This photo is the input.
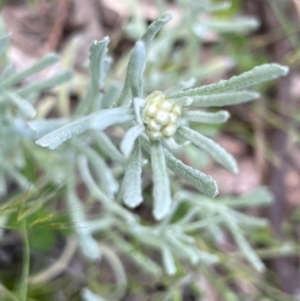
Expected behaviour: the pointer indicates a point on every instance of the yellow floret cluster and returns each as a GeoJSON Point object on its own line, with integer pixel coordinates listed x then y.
{"type": "Point", "coordinates": [161, 116]}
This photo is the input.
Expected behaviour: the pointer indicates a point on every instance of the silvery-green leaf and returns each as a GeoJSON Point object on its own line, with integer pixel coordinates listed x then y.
{"type": "Point", "coordinates": [15, 174]}
{"type": "Point", "coordinates": [147, 38]}
{"type": "Point", "coordinates": [138, 103]}
{"type": "Point", "coordinates": [106, 145]}
{"type": "Point", "coordinates": [210, 147]}
{"type": "Point", "coordinates": [249, 221]}
{"type": "Point", "coordinates": [161, 190]}
{"type": "Point", "coordinates": [5, 73]}
{"type": "Point", "coordinates": [223, 99]}
{"type": "Point", "coordinates": [99, 194]}
{"type": "Point", "coordinates": [168, 260]}
{"type": "Point", "coordinates": [139, 258]}
{"type": "Point", "coordinates": [259, 197]}
{"type": "Point", "coordinates": [44, 126]}
{"type": "Point", "coordinates": [110, 185]}
{"type": "Point", "coordinates": [45, 84]}
{"type": "Point", "coordinates": [203, 182]}
{"type": "Point", "coordinates": [155, 27]}
{"type": "Point", "coordinates": [206, 117]}
{"type": "Point", "coordinates": [111, 95]}
{"type": "Point", "coordinates": [184, 101]}
{"type": "Point", "coordinates": [98, 51]}
{"type": "Point", "coordinates": [240, 25]}
{"type": "Point", "coordinates": [244, 245]}
{"type": "Point", "coordinates": [46, 61]}
{"type": "Point", "coordinates": [108, 117]}
{"type": "Point", "coordinates": [247, 79]}
{"type": "Point", "coordinates": [173, 146]}
{"type": "Point", "coordinates": [88, 245]}
{"type": "Point", "coordinates": [26, 107]}
{"type": "Point", "coordinates": [132, 183]}
{"type": "Point", "coordinates": [138, 60]}
{"type": "Point", "coordinates": [59, 136]}
{"type": "Point", "coordinates": [186, 84]}
{"type": "Point", "coordinates": [129, 138]}
{"type": "Point", "coordinates": [4, 42]}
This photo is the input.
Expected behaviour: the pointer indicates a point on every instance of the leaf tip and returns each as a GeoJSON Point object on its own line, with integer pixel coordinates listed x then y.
{"type": "Point", "coordinates": [166, 17]}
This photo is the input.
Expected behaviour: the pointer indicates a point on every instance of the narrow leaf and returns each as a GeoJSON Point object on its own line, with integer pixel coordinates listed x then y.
{"type": "Point", "coordinates": [88, 245]}
{"type": "Point", "coordinates": [109, 183]}
{"type": "Point", "coordinates": [138, 60]}
{"type": "Point", "coordinates": [155, 27]}
{"type": "Point", "coordinates": [206, 117]}
{"type": "Point", "coordinates": [132, 183]}
{"type": "Point", "coordinates": [210, 147]}
{"type": "Point", "coordinates": [4, 42]}
{"type": "Point", "coordinates": [244, 245]}
{"type": "Point", "coordinates": [147, 38]}
{"type": "Point", "coordinates": [223, 99]}
{"type": "Point", "coordinates": [187, 84]}
{"type": "Point", "coordinates": [259, 197]}
{"type": "Point", "coordinates": [247, 79]}
{"type": "Point", "coordinates": [98, 51]}
{"type": "Point", "coordinates": [26, 107]}
{"type": "Point", "coordinates": [45, 84]}
{"type": "Point", "coordinates": [59, 136]}
{"type": "Point", "coordinates": [108, 117]}
{"type": "Point", "coordinates": [240, 25]}
{"type": "Point", "coordinates": [44, 126]}
{"type": "Point", "coordinates": [107, 146]}
{"type": "Point", "coordinates": [168, 260]}
{"type": "Point", "coordinates": [45, 62]}
{"type": "Point", "coordinates": [129, 139]}
{"type": "Point", "coordinates": [161, 190]}
{"type": "Point", "coordinates": [201, 181]}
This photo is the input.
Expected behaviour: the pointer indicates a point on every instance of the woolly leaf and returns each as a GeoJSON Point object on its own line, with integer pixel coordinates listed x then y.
{"type": "Point", "coordinates": [161, 190]}
{"type": "Point", "coordinates": [59, 136]}
{"type": "Point", "coordinates": [181, 86]}
{"type": "Point", "coordinates": [88, 245]}
{"type": "Point", "coordinates": [210, 147]}
{"type": "Point", "coordinates": [201, 181]}
{"type": "Point", "coordinates": [132, 183]}
{"type": "Point", "coordinates": [147, 38]}
{"type": "Point", "coordinates": [25, 106]}
{"type": "Point", "coordinates": [44, 126]}
{"type": "Point", "coordinates": [106, 145]}
{"type": "Point", "coordinates": [45, 62]}
{"type": "Point", "coordinates": [241, 25]}
{"type": "Point", "coordinates": [168, 260]}
{"type": "Point", "coordinates": [98, 51]}
{"type": "Point", "coordinates": [243, 244]}
{"type": "Point", "coordinates": [45, 84]}
{"type": "Point", "coordinates": [259, 197]}
{"type": "Point", "coordinates": [138, 59]}
{"type": "Point", "coordinates": [4, 42]}
{"type": "Point", "coordinates": [110, 185]}
{"type": "Point", "coordinates": [223, 99]}
{"type": "Point", "coordinates": [108, 117]}
{"type": "Point", "coordinates": [206, 117]}
{"type": "Point", "coordinates": [129, 139]}
{"type": "Point", "coordinates": [155, 27]}
{"type": "Point", "coordinates": [247, 79]}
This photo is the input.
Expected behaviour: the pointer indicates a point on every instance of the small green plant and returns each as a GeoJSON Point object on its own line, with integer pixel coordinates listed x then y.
{"type": "Point", "coordinates": [153, 122]}
{"type": "Point", "coordinates": [156, 126]}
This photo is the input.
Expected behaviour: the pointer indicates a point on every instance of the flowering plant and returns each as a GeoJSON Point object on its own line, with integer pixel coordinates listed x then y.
{"type": "Point", "coordinates": [154, 121]}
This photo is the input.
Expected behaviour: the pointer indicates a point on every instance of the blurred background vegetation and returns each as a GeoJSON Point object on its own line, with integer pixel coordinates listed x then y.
{"type": "Point", "coordinates": [208, 44]}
